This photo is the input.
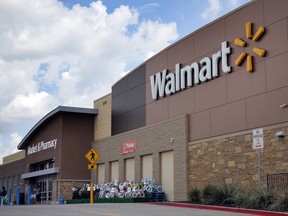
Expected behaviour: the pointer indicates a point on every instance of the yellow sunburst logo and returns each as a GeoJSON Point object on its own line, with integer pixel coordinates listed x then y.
{"type": "Point", "coordinates": [258, 51]}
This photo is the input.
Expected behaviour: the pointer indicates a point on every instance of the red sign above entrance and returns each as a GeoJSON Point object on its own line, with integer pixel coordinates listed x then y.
{"type": "Point", "coordinates": [128, 146]}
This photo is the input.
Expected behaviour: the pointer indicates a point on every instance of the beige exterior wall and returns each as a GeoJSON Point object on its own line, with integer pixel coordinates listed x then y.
{"type": "Point", "coordinates": [14, 157]}
{"type": "Point", "coordinates": [102, 126]}
{"type": "Point", "coordinates": [232, 159]}
{"type": "Point", "coordinates": [150, 140]}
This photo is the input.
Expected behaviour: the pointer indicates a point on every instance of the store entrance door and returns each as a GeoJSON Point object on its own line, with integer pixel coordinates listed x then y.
{"type": "Point", "coordinates": [45, 185]}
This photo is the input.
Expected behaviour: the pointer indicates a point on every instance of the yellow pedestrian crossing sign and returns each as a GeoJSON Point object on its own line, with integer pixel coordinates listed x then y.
{"type": "Point", "coordinates": [92, 156]}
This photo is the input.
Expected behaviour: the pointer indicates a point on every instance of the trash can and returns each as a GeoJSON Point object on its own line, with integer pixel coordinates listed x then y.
{"type": "Point", "coordinates": [61, 200]}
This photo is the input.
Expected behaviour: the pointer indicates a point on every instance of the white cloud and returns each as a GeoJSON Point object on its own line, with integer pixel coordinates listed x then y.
{"type": "Point", "coordinates": [51, 55]}
{"type": "Point", "coordinates": [212, 11]}
{"type": "Point", "coordinates": [28, 106]}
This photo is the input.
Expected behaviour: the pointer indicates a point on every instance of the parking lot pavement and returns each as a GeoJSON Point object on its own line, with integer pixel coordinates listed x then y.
{"type": "Point", "coordinates": [107, 209]}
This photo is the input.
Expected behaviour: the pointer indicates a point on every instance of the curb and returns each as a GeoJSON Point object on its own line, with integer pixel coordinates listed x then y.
{"type": "Point", "coordinates": [221, 208]}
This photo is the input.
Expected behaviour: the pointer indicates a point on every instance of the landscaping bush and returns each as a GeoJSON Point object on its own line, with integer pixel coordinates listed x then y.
{"type": "Point", "coordinates": [256, 199]}
{"type": "Point", "coordinates": [209, 191]}
{"type": "Point", "coordinates": [241, 199]}
{"type": "Point", "coordinates": [281, 203]}
{"type": "Point", "coordinates": [219, 195]}
{"type": "Point", "coordinates": [228, 195]}
{"type": "Point", "coordinates": [194, 195]}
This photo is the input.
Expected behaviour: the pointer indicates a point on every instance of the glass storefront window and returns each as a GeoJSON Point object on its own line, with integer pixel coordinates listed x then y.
{"type": "Point", "coordinates": [42, 165]}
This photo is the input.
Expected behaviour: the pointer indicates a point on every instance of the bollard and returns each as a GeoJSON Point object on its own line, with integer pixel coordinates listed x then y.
{"type": "Point", "coordinates": [9, 196]}
{"type": "Point", "coordinates": [18, 196]}
{"type": "Point", "coordinates": [29, 195]}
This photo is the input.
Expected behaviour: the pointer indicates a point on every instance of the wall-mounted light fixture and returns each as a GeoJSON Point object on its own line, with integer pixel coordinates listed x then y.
{"type": "Point", "coordinates": [280, 134]}
{"type": "Point", "coordinates": [171, 140]}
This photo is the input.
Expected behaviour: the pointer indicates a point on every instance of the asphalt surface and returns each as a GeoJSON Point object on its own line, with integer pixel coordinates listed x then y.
{"type": "Point", "coordinates": [108, 209]}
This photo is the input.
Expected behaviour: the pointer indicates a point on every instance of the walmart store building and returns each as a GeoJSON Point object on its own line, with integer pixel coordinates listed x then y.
{"type": "Point", "coordinates": [186, 116]}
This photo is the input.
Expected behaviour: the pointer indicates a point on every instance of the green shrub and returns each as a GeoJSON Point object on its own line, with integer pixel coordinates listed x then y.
{"type": "Point", "coordinates": [261, 201]}
{"type": "Point", "coordinates": [227, 195]}
{"type": "Point", "coordinates": [281, 204]}
{"type": "Point", "coordinates": [241, 198]}
{"type": "Point", "coordinates": [209, 191]}
{"type": "Point", "coordinates": [194, 195]}
{"type": "Point", "coordinates": [254, 200]}
{"type": "Point", "coordinates": [219, 195]}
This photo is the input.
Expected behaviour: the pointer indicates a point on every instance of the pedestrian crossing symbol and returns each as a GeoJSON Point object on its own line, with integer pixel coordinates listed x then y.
{"type": "Point", "coordinates": [92, 156]}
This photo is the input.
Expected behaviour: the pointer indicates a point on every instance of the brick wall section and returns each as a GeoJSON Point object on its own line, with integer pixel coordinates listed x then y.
{"type": "Point", "coordinates": [11, 169]}
{"type": "Point", "coordinates": [232, 159]}
{"type": "Point", "coordinates": [150, 140]}
{"type": "Point", "coordinates": [65, 188]}
{"type": "Point", "coordinates": [102, 126]}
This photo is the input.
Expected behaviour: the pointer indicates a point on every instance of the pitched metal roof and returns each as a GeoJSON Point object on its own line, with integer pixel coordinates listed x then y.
{"type": "Point", "coordinates": [52, 114]}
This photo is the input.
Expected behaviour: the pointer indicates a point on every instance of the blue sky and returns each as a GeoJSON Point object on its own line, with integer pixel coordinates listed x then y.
{"type": "Point", "coordinates": [71, 52]}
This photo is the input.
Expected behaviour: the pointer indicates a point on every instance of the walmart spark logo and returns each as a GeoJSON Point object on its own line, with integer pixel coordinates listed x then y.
{"type": "Point", "coordinates": [258, 51]}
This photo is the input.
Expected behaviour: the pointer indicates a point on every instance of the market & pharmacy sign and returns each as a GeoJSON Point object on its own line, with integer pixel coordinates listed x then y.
{"type": "Point", "coordinates": [40, 146]}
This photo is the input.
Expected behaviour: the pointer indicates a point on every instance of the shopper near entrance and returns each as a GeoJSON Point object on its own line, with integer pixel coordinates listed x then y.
{"type": "Point", "coordinates": [38, 195]}
{"type": "Point", "coordinates": [3, 193]}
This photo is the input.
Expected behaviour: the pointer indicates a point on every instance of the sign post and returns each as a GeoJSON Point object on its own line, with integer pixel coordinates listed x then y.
{"type": "Point", "coordinates": [91, 192]}
{"type": "Point", "coordinates": [92, 157]}
{"type": "Point", "coordinates": [258, 144]}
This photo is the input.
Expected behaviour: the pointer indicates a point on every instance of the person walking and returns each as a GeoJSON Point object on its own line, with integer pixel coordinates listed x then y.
{"type": "Point", "coordinates": [3, 193]}
{"type": "Point", "coordinates": [38, 195]}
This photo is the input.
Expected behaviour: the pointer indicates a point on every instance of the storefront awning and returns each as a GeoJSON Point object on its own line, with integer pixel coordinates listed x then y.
{"type": "Point", "coordinates": [40, 173]}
